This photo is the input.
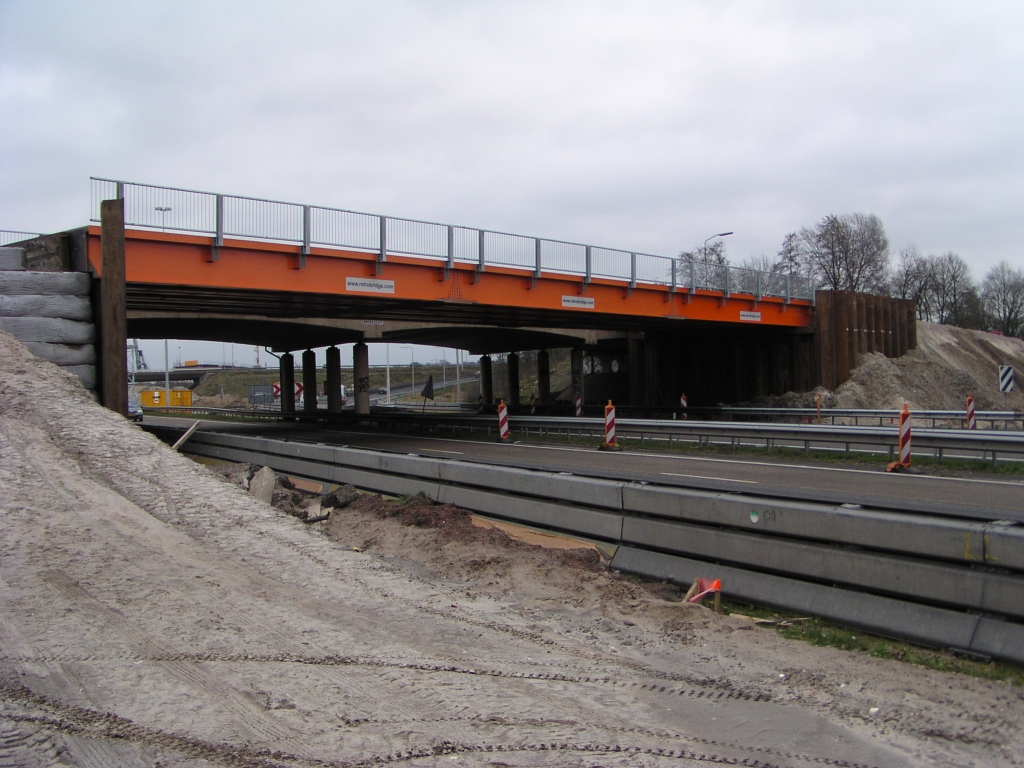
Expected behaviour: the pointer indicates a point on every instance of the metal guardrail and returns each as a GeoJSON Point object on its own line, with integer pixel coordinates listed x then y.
{"type": "Point", "coordinates": [220, 216]}
{"type": "Point", "coordinates": [942, 443]}
{"type": "Point", "coordinates": [8, 236]}
{"type": "Point", "coordinates": [940, 581]}
{"type": "Point", "coordinates": [1007, 418]}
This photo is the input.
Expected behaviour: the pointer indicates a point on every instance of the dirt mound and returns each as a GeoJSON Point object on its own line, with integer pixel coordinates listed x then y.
{"type": "Point", "coordinates": [948, 364]}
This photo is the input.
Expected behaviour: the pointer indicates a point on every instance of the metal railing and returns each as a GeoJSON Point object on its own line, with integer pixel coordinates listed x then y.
{"type": "Point", "coordinates": [220, 216]}
{"type": "Point", "coordinates": [8, 236]}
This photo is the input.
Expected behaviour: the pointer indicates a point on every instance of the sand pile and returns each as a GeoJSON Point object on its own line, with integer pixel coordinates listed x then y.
{"type": "Point", "coordinates": [153, 614]}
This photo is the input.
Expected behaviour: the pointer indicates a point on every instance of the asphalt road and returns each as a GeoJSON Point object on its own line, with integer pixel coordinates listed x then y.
{"type": "Point", "coordinates": [976, 497]}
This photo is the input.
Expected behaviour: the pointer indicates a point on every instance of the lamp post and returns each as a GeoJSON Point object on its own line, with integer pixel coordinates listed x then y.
{"type": "Point", "coordinates": [163, 216]}
{"type": "Point", "coordinates": [387, 371]}
{"type": "Point", "coordinates": [720, 234]}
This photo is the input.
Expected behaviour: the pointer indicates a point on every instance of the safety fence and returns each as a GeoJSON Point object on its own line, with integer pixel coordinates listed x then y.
{"type": "Point", "coordinates": [220, 216]}
{"type": "Point", "coordinates": [936, 580]}
{"type": "Point", "coordinates": [8, 236]}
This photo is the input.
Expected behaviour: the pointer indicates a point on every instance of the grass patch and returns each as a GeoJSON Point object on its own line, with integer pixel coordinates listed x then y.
{"type": "Point", "coordinates": [823, 633]}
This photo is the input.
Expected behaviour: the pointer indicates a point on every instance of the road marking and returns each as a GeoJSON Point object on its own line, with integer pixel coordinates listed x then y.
{"type": "Point", "coordinates": [711, 477]}
{"type": "Point", "coordinates": [440, 450]}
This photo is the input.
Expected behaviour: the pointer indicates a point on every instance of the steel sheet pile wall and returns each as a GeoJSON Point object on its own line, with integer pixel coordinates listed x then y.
{"type": "Point", "coordinates": [851, 324]}
{"type": "Point", "coordinates": [946, 582]}
{"type": "Point", "coordinates": [50, 313]}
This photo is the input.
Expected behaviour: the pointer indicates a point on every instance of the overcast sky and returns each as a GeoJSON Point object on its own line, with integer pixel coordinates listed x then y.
{"type": "Point", "coordinates": [641, 125]}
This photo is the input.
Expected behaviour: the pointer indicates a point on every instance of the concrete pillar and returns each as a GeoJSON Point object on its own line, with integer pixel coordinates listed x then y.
{"type": "Point", "coordinates": [309, 381]}
{"type": "Point", "coordinates": [361, 364]}
{"type": "Point", "coordinates": [543, 376]}
{"type": "Point", "coordinates": [113, 319]}
{"type": "Point", "coordinates": [333, 380]}
{"type": "Point", "coordinates": [512, 366]}
{"type": "Point", "coordinates": [576, 374]}
{"type": "Point", "coordinates": [287, 383]}
{"type": "Point", "coordinates": [486, 382]}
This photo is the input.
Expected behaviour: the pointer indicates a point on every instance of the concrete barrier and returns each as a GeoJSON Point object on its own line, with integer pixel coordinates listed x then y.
{"type": "Point", "coordinates": [889, 617]}
{"type": "Point", "coordinates": [943, 584]}
{"type": "Point", "coordinates": [906, 533]}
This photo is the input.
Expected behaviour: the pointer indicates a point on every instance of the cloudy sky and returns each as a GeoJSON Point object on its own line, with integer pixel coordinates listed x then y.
{"type": "Point", "coordinates": [641, 125]}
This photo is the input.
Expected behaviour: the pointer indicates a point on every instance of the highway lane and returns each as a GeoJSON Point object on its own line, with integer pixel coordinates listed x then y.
{"type": "Point", "coordinates": [978, 497]}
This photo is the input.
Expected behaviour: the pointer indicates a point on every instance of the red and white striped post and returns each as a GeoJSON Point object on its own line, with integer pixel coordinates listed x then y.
{"type": "Point", "coordinates": [533, 404]}
{"type": "Point", "coordinates": [579, 405]}
{"type": "Point", "coordinates": [502, 421]}
{"type": "Point", "coordinates": [682, 406]}
{"type": "Point", "coordinates": [972, 422]}
{"type": "Point", "coordinates": [609, 429]}
{"type": "Point", "coordinates": [905, 436]}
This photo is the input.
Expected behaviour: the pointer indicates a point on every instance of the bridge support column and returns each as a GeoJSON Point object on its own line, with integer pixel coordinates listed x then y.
{"type": "Point", "coordinates": [309, 381]}
{"type": "Point", "coordinates": [333, 380]}
{"type": "Point", "coordinates": [361, 364]}
{"type": "Point", "coordinates": [576, 374]}
{"type": "Point", "coordinates": [512, 364]}
{"type": "Point", "coordinates": [287, 383]}
{"type": "Point", "coordinates": [543, 376]}
{"type": "Point", "coordinates": [486, 382]}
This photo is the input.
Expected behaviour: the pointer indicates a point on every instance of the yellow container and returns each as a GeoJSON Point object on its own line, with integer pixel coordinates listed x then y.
{"type": "Point", "coordinates": [155, 398]}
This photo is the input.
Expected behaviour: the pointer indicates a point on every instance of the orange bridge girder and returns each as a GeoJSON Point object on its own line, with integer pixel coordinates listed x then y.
{"type": "Point", "coordinates": [177, 271]}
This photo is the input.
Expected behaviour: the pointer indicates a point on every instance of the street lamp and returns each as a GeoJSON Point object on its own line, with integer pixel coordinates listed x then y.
{"type": "Point", "coordinates": [720, 234]}
{"type": "Point", "coordinates": [163, 216]}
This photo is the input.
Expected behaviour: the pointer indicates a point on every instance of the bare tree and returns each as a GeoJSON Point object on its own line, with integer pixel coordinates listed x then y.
{"type": "Point", "coordinates": [1002, 295]}
{"type": "Point", "coordinates": [711, 253]}
{"type": "Point", "coordinates": [955, 294]}
{"type": "Point", "coordinates": [846, 252]}
{"type": "Point", "coordinates": [913, 279]}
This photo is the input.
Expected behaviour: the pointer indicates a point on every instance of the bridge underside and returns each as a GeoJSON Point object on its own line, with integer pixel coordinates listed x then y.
{"type": "Point", "coordinates": [311, 332]}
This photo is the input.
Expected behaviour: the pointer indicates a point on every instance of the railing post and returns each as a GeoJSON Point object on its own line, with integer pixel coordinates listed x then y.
{"type": "Point", "coordinates": [481, 263]}
{"type": "Point", "coordinates": [672, 288]}
{"type": "Point", "coordinates": [382, 254]}
{"type": "Point", "coordinates": [725, 293]}
{"type": "Point", "coordinates": [757, 285]}
{"type": "Point", "coordinates": [632, 271]}
{"type": "Point", "coordinates": [537, 260]}
{"type": "Point", "coordinates": [814, 292]}
{"type": "Point", "coordinates": [789, 286]}
{"type": "Point", "coordinates": [119, 190]}
{"type": "Point", "coordinates": [304, 252]}
{"type": "Point", "coordinates": [451, 251]}
{"type": "Point", "coordinates": [589, 267]}
{"type": "Point", "coordinates": [693, 281]}
{"type": "Point", "coordinates": [218, 231]}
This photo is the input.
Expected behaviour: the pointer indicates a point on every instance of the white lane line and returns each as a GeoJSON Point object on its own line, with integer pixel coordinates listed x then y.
{"type": "Point", "coordinates": [710, 477]}
{"type": "Point", "coordinates": [441, 450]}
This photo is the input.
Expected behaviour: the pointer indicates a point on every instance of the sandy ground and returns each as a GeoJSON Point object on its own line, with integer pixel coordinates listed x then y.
{"type": "Point", "coordinates": [155, 615]}
{"type": "Point", "coordinates": [948, 364]}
